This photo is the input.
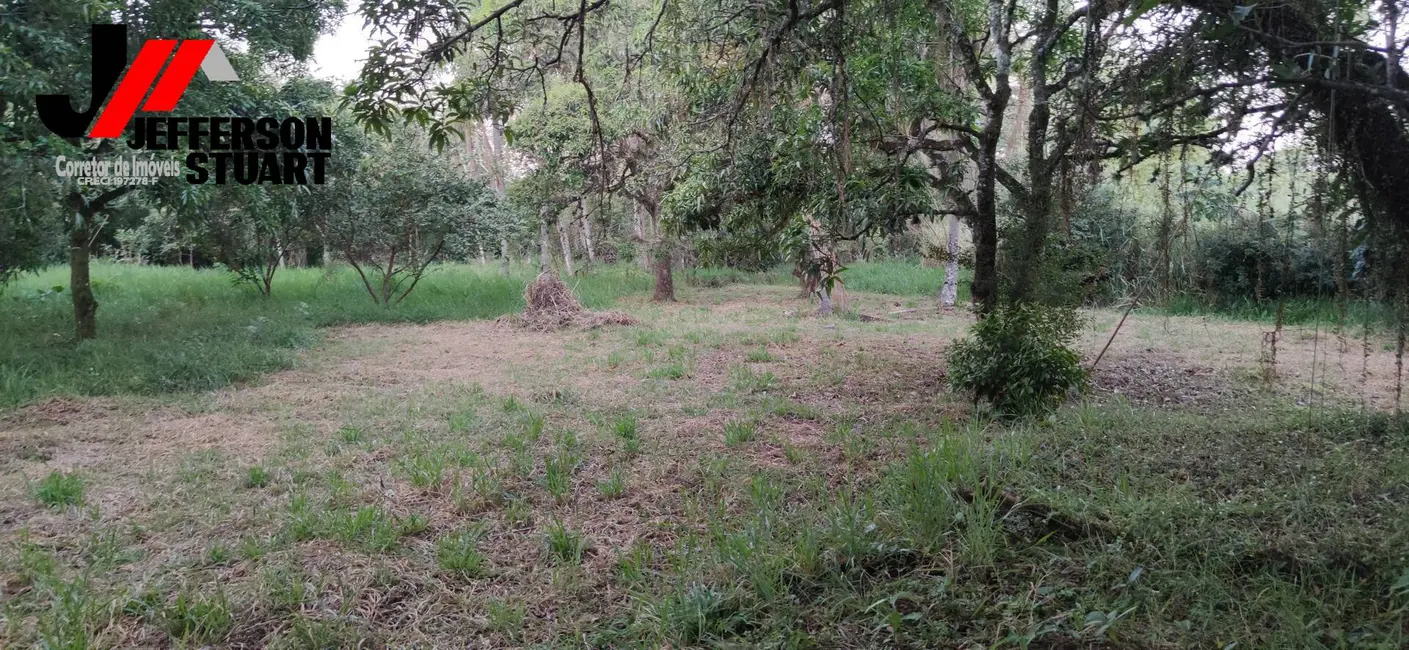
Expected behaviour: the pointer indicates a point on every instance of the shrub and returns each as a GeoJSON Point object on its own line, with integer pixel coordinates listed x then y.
{"type": "Point", "coordinates": [1018, 359]}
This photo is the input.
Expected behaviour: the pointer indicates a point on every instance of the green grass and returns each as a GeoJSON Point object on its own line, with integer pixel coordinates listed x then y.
{"type": "Point", "coordinates": [1103, 527]}
{"type": "Point", "coordinates": [59, 489]}
{"type": "Point", "coordinates": [169, 329]}
{"type": "Point", "coordinates": [566, 545]}
{"type": "Point", "coordinates": [614, 487]}
{"type": "Point", "coordinates": [890, 277]}
{"type": "Point", "coordinates": [738, 432]}
{"type": "Point", "coordinates": [458, 554]}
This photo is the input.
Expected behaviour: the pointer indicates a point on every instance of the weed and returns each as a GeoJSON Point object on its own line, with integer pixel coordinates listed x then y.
{"type": "Point", "coordinates": [695, 614]}
{"type": "Point", "coordinates": [218, 555]}
{"type": "Point", "coordinates": [557, 475]}
{"type": "Point", "coordinates": [627, 430]}
{"type": "Point", "coordinates": [672, 370]}
{"type": "Point", "coordinates": [784, 337]}
{"type": "Point", "coordinates": [631, 567]}
{"type": "Point", "coordinates": [424, 468]}
{"type": "Point", "coordinates": [744, 379]}
{"type": "Point", "coordinates": [462, 421]}
{"type": "Point", "coordinates": [307, 633]}
{"type": "Point", "coordinates": [565, 545]}
{"type": "Point", "coordinates": [459, 554]}
{"type": "Point", "coordinates": [614, 487]}
{"type": "Point", "coordinates": [533, 426]}
{"type": "Point", "coordinates": [285, 589]}
{"type": "Point", "coordinates": [738, 432]}
{"type": "Point", "coordinates": [199, 619]}
{"type": "Point", "coordinates": [256, 477]}
{"type": "Point", "coordinates": [759, 355]}
{"type": "Point", "coordinates": [74, 615]}
{"type": "Point", "coordinates": [505, 617]}
{"type": "Point", "coordinates": [350, 434]}
{"type": "Point", "coordinates": [519, 512]}
{"type": "Point", "coordinates": [59, 489]}
{"type": "Point", "coordinates": [251, 548]}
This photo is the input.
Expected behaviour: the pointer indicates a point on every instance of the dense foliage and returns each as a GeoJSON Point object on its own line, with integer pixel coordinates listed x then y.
{"type": "Point", "coordinates": [1019, 359]}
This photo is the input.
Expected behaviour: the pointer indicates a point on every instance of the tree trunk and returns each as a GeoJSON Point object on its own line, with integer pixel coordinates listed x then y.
{"type": "Point", "coordinates": [563, 226]}
{"type": "Point", "coordinates": [949, 293]}
{"type": "Point", "coordinates": [586, 231]}
{"type": "Point", "coordinates": [482, 258]}
{"type": "Point", "coordinates": [545, 255]}
{"type": "Point", "coordinates": [643, 258]}
{"type": "Point", "coordinates": [1037, 208]}
{"type": "Point", "coordinates": [665, 281]}
{"type": "Point", "coordinates": [504, 254]}
{"type": "Point", "coordinates": [85, 306]}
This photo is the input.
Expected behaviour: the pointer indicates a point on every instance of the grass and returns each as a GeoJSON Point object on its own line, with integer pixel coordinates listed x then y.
{"type": "Point", "coordinates": [60, 489]}
{"type": "Point", "coordinates": [902, 277]}
{"type": "Point", "coordinates": [458, 554]}
{"type": "Point", "coordinates": [614, 487]}
{"type": "Point", "coordinates": [173, 329]}
{"type": "Point", "coordinates": [626, 429]}
{"type": "Point", "coordinates": [564, 545]}
{"type": "Point", "coordinates": [879, 515]}
{"type": "Point", "coordinates": [738, 432]}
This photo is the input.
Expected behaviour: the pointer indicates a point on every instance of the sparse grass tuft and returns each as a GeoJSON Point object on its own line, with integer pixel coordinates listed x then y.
{"type": "Point", "coordinates": [738, 432]}
{"type": "Point", "coordinates": [557, 474]}
{"type": "Point", "coordinates": [425, 468]}
{"type": "Point", "coordinates": [565, 545]}
{"type": "Point", "coordinates": [672, 370]}
{"type": "Point", "coordinates": [198, 619]}
{"type": "Point", "coordinates": [627, 429]}
{"type": "Point", "coordinates": [745, 380]}
{"type": "Point", "coordinates": [257, 477]}
{"type": "Point", "coordinates": [350, 434]}
{"type": "Point", "coordinates": [614, 487]}
{"type": "Point", "coordinates": [59, 489]}
{"type": "Point", "coordinates": [533, 424]}
{"type": "Point", "coordinates": [505, 617]}
{"type": "Point", "coordinates": [759, 355]}
{"type": "Point", "coordinates": [458, 554]}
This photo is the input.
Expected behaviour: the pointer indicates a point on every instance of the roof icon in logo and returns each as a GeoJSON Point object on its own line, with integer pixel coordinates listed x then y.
{"type": "Point", "coordinates": [203, 54]}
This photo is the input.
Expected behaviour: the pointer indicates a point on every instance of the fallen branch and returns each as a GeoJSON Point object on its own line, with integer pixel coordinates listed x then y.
{"type": "Point", "coordinates": [1133, 301]}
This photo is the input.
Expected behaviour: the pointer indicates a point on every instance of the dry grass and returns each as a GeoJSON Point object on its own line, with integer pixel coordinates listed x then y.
{"type": "Point", "coordinates": [166, 479]}
{"type": "Point", "coordinates": [549, 306]}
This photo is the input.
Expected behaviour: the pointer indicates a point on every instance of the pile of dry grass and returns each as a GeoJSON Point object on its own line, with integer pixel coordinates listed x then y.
{"type": "Point", "coordinates": [549, 305]}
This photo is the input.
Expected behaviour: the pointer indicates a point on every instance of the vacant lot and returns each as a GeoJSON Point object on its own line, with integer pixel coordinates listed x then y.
{"type": "Point", "coordinates": [725, 473]}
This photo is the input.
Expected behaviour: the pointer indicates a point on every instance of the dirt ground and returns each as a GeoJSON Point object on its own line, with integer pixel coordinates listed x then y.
{"type": "Point", "coordinates": [159, 472]}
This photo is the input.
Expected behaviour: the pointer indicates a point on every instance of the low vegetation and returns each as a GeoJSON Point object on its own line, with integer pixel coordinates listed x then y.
{"type": "Point", "coordinates": [549, 498]}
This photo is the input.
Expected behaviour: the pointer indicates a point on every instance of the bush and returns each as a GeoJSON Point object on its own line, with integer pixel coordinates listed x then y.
{"type": "Point", "coordinates": [1019, 359]}
{"type": "Point", "coordinates": [1234, 265]}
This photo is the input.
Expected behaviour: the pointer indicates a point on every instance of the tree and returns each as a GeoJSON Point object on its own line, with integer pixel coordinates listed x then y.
{"type": "Point", "coordinates": [398, 213]}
